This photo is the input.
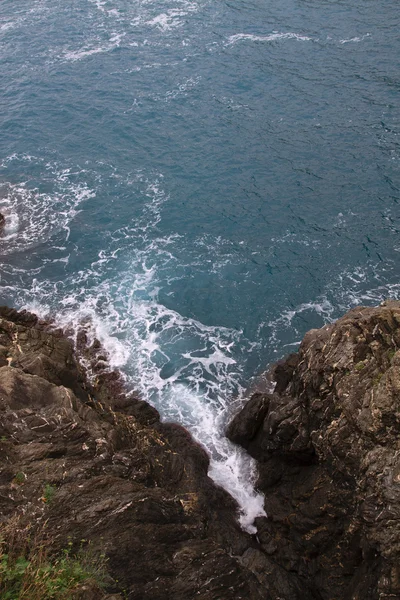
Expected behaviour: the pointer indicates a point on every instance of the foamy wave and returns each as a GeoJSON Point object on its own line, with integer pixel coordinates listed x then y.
{"type": "Point", "coordinates": [170, 19]}
{"type": "Point", "coordinates": [99, 4]}
{"type": "Point", "coordinates": [277, 36]}
{"type": "Point", "coordinates": [181, 90]}
{"type": "Point", "coordinates": [32, 216]}
{"type": "Point", "coordinates": [348, 289]}
{"type": "Point", "coordinates": [35, 11]}
{"type": "Point", "coordinates": [354, 40]}
{"type": "Point", "coordinates": [166, 21]}
{"type": "Point", "coordinates": [8, 25]}
{"type": "Point", "coordinates": [193, 388]}
{"type": "Point", "coordinates": [113, 42]}
{"type": "Point", "coordinates": [321, 306]}
{"type": "Point", "coordinates": [187, 369]}
{"type": "Point", "coordinates": [148, 341]}
{"type": "Point", "coordinates": [272, 37]}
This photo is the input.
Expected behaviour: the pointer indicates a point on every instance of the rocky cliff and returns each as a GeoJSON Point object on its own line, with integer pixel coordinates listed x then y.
{"type": "Point", "coordinates": [134, 488]}
{"type": "Point", "coordinates": [326, 440]}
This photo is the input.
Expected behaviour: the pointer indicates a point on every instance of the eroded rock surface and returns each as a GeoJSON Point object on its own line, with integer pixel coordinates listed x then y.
{"type": "Point", "coordinates": [327, 441]}
{"type": "Point", "coordinates": [135, 488]}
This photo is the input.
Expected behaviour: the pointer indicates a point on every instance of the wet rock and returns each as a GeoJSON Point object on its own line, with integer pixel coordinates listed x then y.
{"type": "Point", "coordinates": [327, 445]}
{"type": "Point", "coordinates": [136, 488]}
{"type": "Point", "coordinates": [326, 439]}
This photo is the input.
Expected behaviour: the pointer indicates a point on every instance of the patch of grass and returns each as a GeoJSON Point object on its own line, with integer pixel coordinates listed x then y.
{"type": "Point", "coordinates": [28, 571]}
{"type": "Point", "coordinates": [360, 366]}
{"type": "Point", "coordinates": [377, 379]}
{"type": "Point", "coordinates": [48, 493]}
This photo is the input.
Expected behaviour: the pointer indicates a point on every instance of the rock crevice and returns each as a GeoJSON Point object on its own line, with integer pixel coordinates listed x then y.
{"type": "Point", "coordinates": [327, 442]}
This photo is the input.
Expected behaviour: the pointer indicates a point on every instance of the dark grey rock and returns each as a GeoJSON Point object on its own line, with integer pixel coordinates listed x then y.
{"type": "Point", "coordinates": [132, 486]}
{"type": "Point", "coordinates": [327, 443]}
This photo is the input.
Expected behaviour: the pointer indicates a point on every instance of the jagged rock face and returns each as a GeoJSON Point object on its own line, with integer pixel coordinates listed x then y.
{"type": "Point", "coordinates": [134, 487]}
{"type": "Point", "coordinates": [327, 441]}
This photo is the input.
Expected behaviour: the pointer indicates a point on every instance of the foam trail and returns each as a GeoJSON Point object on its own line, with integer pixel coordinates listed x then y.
{"type": "Point", "coordinates": [196, 392]}
{"type": "Point", "coordinates": [188, 370]}
{"type": "Point", "coordinates": [272, 37]}
{"type": "Point", "coordinates": [355, 40]}
{"type": "Point", "coordinates": [113, 43]}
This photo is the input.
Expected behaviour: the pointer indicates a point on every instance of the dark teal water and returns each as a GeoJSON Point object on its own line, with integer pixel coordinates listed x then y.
{"type": "Point", "coordinates": [200, 182]}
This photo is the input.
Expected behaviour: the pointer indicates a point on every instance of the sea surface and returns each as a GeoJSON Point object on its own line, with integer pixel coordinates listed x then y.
{"type": "Point", "coordinates": [199, 182]}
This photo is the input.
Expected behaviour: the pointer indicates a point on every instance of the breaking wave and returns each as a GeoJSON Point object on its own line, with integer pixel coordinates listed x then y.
{"type": "Point", "coordinates": [188, 370]}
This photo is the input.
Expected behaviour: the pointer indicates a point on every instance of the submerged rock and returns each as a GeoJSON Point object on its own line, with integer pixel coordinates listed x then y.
{"type": "Point", "coordinates": [327, 442]}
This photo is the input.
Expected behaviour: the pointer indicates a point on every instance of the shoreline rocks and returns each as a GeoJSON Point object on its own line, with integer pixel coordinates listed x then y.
{"type": "Point", "coordinates": [133, 487]}
{"type": "Point", "coordinates": [327, 442]}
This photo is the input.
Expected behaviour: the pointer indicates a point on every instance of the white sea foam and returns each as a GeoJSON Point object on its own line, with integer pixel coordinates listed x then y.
{"type": "Point", "coordinates": [277, 36]}
{"type": "Point", "coordinates": [185, 368]}
{"type": "Point", "coordinates": [8, 25]}
{"type": "Point", "coordinates": [355, 40]}
{"type": "Point", "coordinates": [143, 338]}
{"type": "Point", "coordinates": [350, 288]}
{"type": "Point", "coordinates": [170, 19]}
{"type": "Point", "coordinates": [21, 18]}
{"type": "Point", "coordinates": [99, 4]}
{"type": "Point", "coordinates": [272, 37]}
{"type": "Point", "coordinates": [166, 21]}
{"type": "Point", "coordinates": [181, 90]}
{"type": "Point", "coordinates": [113, 42]}
{"type": "Point", "coordinates": [32, 215]}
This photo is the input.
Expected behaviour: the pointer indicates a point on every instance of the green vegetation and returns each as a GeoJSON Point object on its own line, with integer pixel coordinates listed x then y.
{"type": "Point", "coordinates": [391, 353]}
{"type": "Point", "coordinates": [48, 493]}
{"type": "Point", "coordinates": [28, 571]}
{"type": "Point", "coordinates": [360, 365]}
{"type": "Point", "coordinates": [377, 379]}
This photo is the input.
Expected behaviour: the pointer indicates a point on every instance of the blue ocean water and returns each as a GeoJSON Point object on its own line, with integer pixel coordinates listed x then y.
{"type": "Point", "coordinates": [200, 183]}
